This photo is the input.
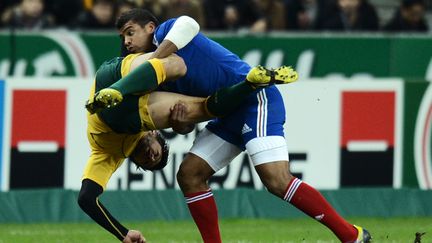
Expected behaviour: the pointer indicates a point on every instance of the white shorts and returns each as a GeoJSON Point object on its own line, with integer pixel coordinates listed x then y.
{"type": "Point", "coordinates": [218, 153]}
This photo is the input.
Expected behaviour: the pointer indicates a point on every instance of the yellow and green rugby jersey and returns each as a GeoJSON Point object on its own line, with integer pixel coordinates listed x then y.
{"type": "Point", "coordinates": [114, 134]}
{"type": "Point", "coordinates": [125, 117]}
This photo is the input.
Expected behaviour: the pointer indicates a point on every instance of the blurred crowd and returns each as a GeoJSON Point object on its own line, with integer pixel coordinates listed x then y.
{"type": "Point", "coordinates": [255, 16]}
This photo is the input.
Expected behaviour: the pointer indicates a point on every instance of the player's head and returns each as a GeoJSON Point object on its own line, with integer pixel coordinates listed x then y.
{"type": "Point", "coordinates": [136, 27]}
{"type": "Point", "coordinates": [151, 152]}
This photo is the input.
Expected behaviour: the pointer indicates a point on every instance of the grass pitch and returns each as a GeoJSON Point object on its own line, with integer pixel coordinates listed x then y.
{"type": "Point", "coordinates": [304, 230]}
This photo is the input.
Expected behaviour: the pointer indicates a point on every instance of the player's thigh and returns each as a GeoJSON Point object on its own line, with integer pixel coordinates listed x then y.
{"type": "Point", "coordinates": [263, 135]}
{"type": "Point", "coordinates": [215, 151]}
{"type": "Point", "coordinates": [159, 104]}
{"type": "Point", "coordinates": [270, 157]}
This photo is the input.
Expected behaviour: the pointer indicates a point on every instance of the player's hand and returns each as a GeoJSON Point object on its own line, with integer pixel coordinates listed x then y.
{"type": "Point", "coordinates": [178, 119]}
{"type": "Point", "coordinates": [134, 236]}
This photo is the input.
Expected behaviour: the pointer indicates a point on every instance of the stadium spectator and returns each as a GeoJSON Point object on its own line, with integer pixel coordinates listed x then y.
{"type": "Point", "coordinates": [156, 7]}
{"type": "Point", "coordinates": [29, 15]}
{"type": "Point", "coordinates": [410, 17]}
{"type": "Point", "coordinates": [192, 8]}
{"type": "Point", "coordinates": [64, 11]}
{"type": "Point", "coordinates": [99, 17]}
{"type": "Point", "coordinates": [124, 6]}
{"type": "Point", "coordinates": [350, 15]}
{"type": "Point", "coordinates": [233, 15]}
{"type": "Point", "coordinates": [304, 14]}
{"type": "Point", "coordinates": [274, 13]}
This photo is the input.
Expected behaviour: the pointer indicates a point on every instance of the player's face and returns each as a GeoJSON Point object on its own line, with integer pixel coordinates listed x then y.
{"type": "Point", "coordinates": [138, 38]}
{"type": "Point", "coordinates": [148, 152]}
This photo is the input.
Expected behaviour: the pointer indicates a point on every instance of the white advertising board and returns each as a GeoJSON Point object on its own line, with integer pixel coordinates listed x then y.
{"type": "Point", "coordinates": [314, 132]}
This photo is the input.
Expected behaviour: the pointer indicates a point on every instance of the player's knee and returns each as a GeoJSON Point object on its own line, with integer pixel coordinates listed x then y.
{"type": "Point", "coordinates": [277, 184]}
{"type": "Point", "coordinates": [184, 177]}
{"type": "Point", "coordinates": [174, 66]}
{"type": "Point", "coordinates": [274, 188]}
{"type": "Point", "coordinates": [189, 177]}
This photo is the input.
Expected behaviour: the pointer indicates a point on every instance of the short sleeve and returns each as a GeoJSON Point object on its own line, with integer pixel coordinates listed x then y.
{"type": "Point", "coordinates": [162, 30]}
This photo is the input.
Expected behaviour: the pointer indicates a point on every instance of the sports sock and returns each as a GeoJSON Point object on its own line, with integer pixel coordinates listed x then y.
{"type": "Point", "coordinates": [146, 77]}
{"type": "Point", "coordinates": [312, 203]}
{"type": "Point", "coordinates": [202, 207]}
{"type": "Point", "coordinates": [226, 100]}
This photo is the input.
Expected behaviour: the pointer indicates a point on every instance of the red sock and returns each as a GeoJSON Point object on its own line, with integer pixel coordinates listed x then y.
{"type": "Point", "coordinates": [312, 203]}
{"type": "Point", "coordinates": [202, 207]}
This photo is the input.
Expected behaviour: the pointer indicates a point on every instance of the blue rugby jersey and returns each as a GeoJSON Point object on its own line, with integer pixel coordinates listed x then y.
{"type": "Point", "coordinates": [210, 66]}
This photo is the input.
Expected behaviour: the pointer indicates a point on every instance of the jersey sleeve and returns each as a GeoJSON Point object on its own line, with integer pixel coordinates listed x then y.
{"type": "Point", "coordinates": [162, 30]}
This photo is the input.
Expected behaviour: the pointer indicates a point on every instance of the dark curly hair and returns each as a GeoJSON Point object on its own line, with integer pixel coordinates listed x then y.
{"type": "Point", "coordinates": [165, 154]}
{"type": "Point", "coordinates": [137, 15]}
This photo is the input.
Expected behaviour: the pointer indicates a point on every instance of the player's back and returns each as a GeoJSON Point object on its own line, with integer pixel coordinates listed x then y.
{"type": "Point", "coordinates": [210, 66]}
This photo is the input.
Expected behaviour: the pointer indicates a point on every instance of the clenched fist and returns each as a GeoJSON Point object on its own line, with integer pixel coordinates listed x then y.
{"type": "Point", "coordinates": [134, 236]}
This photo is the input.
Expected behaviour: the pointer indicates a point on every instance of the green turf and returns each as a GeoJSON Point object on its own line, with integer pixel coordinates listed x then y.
{"type": "Point", "coordinates": [389, 230]}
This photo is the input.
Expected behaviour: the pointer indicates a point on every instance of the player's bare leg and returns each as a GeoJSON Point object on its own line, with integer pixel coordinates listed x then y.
{"type": "Point", "coordinates": [160, 106]}
{"type": "Point", "coordinates": [258, 77]}
{"type": "Point", "coordinates": [280, 182]}
{"type": "Point", "coordinates": [192, 177]}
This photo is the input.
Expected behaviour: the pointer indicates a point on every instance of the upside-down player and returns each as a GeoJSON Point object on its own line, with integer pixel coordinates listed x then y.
{"type": "Point", "coordinates": [126, 130]}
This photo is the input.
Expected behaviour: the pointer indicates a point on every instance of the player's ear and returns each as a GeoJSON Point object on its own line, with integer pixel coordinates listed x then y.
{"type": "Point", "coordinates": [150, 27]}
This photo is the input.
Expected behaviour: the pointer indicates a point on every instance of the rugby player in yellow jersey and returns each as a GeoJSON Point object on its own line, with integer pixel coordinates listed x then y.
{"type": "Point", "coordinates": [127, 129]}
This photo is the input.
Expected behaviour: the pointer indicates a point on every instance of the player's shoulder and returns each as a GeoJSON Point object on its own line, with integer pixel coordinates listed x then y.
{"type": "Point", "coordinates": [164, 27]}
{"type": "Point", "coordinates": [169, 21]}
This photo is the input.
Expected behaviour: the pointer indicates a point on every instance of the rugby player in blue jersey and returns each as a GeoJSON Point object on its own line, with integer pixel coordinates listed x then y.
{"type": "Point", "coordinates": [256, 127]}
{"type": "Point", "coordinates": [128, 129]}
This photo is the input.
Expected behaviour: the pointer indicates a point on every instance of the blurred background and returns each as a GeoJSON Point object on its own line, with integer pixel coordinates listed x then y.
{"type": "Point", "coordinates": [359, 120]}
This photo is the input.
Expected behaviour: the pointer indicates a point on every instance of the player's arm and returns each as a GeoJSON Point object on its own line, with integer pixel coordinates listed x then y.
{"type": "Point", "coordinates": [88, 200]}
{"type": "Point", "coordinates": [178, 119]}
{"type": "Point", "coordinates": [182, 32]}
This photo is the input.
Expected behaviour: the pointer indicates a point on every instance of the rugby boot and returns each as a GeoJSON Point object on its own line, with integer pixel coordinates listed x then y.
{"type": "Point", "coordinates": [260, 76]}
{"type": "Point", "coordinates": [363, 235]}
{"type": "Point", "coordinates": [105, 98]}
